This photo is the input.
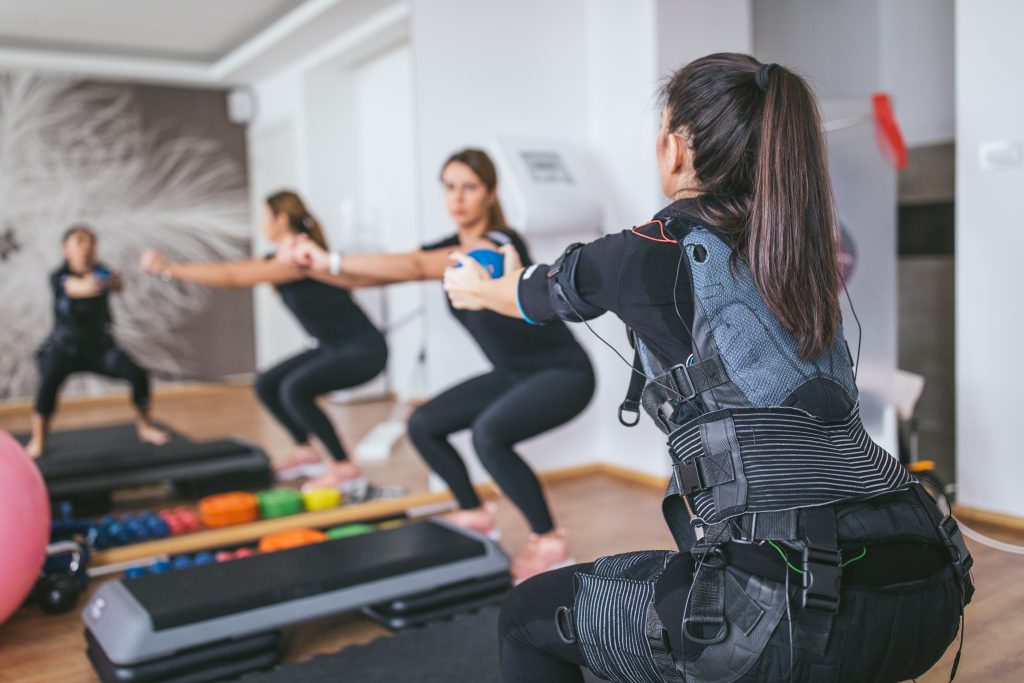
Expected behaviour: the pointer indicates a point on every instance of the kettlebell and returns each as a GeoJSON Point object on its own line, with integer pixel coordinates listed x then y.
{"type": "Point", "coordinates": [57, 592]}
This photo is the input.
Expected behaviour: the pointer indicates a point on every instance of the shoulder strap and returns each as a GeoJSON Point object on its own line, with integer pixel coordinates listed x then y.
{"type": "Point", "coordinates": [637, 380]}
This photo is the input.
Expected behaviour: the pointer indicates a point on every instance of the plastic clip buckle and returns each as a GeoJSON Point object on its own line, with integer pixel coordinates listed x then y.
{"type": "Point", "coordinates": [689, 479]}
{"type": "Point", "coordinates": [821, 577]}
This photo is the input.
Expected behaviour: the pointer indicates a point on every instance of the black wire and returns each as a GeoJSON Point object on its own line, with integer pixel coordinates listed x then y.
{"type": "Point", "coordinates": [627, 362]}
{"type": "Point", "coordinates": [856, 364]}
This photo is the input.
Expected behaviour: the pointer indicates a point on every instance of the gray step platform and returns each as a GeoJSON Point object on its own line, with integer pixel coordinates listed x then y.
{"type": "Point", "coordinates": [159, 615]}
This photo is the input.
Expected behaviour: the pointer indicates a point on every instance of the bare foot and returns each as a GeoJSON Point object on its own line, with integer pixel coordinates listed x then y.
{"type": "Point", "coordinates": [35, 448]}
{"type": "Point", "coordinates": [340, 475]}
{"type": "Point", "coordinates": [150, 433]}
{"type": "Point", "coordinates": [481, 520]}
{"type": "Point", "coordinates": [541, 554]}
{"type": "Point", "coordinates": [303, 461]}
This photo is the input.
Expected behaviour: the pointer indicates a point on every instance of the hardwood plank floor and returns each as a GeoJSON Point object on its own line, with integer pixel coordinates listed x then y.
{"type": "Point", "coordinates": [605, 514]}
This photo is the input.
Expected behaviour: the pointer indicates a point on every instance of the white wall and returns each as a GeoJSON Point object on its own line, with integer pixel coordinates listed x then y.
{"type": "Point", "coordinates": [851, 48]}
{"type": "Point", "coordinates": [917, 66]}
{"type": "Point", "coordinates": [277, 160]}
{"type": "Point", "coordinates": [989, 244]}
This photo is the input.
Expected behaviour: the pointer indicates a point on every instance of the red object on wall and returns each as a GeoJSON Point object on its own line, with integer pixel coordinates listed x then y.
{"type": "Point", "coordinates": [889, 130]}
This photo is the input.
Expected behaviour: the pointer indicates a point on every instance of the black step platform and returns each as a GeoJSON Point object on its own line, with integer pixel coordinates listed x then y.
{"type": "Point", "coordinates": [86, 466]}
{"type": "Point", "coordinates": [153, 623]}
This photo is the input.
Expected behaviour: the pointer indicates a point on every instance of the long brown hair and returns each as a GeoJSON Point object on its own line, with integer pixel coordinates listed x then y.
{"type": "Point", "coordinates": [759, 156]}
{"type": "Point", "coordinates": [300, 220]}
{"type": "Point", "coordinates": [480, 163]}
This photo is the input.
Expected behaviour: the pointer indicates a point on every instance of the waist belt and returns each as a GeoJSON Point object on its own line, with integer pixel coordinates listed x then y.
{"type": "Point", "coordinates": [882, 564]}
{"type": "Point", "coordinates": [767, 460]}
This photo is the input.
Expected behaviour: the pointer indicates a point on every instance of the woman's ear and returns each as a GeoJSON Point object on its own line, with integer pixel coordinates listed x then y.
{"type": "Point", "coordinates": [679, 154]}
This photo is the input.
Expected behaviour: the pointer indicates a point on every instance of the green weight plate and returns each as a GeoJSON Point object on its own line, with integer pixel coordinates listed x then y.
{"type": "Point", "coordinates": [348, 530]}
{"type": "Point", "coordinates": [279, 502]}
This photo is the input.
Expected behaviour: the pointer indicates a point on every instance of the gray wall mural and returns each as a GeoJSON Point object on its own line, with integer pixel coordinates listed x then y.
{"type": "Point", "coordinates": [146, 166]}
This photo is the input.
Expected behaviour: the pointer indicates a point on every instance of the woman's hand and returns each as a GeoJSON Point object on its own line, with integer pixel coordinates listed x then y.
{"type": "Point", "coordinates": [302, 252]}
{"type": "Point", "coordinates": [114, 282]}
{"type": "Point", "coordinates": [286, 250]}
{"type": "Point", "coordinates": [154, 263]}
{"type": "Point", "coordinates": [465, 282]}
{"type": "Point", "coordinates": [512, 260]}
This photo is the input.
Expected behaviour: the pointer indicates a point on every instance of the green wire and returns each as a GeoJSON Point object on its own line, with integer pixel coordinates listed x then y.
{"type": "Point", "coordinates": [785, 558]}
{"type": "Point", "coordinates": [863, 552]}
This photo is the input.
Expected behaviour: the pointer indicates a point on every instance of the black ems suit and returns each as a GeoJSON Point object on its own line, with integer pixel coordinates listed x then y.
{"type": "Point", "coordinates": [820, 558]}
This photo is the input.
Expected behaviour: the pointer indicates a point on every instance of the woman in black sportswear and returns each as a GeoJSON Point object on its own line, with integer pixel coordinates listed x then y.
{"type": "Point", "coordinates": [541, 377]}
{"type": "Point", "coordinates": [349, 349]}
{"type": "Point", "coordinates": [81, 339]}
{"type": "Point", "coordinates": [875, 596]}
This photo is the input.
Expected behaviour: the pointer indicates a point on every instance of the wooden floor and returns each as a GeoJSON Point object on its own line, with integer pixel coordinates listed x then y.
{"type": "Point", "coordinates": [605, 515]}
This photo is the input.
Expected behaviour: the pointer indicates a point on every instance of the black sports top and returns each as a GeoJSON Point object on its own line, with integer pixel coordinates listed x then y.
{"type": "Point", "coordinates": [76, 320]}
{"type": "Point", "coordinates": [640, 276]}
{"type": "Point", "coordinates": [325, 312]}
{"type": "Point", "coordinates": [513, 345]}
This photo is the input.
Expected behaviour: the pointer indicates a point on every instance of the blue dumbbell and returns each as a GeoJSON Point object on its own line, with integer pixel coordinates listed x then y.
{"type": "Point", "coordinates": [492, 261]}
{"type": "Point", "coordinates": [181, 562]}
{"type": "Point", "coordinates": [203, 557]}
{"type": "Point", "coordinates": [134, 572]}
{"type": "Point", "coordinates": [157, 527]}
{"type": "Point", "coordinates": [159, 567]}
{"type": "Point", "coordinates": [137, 531]}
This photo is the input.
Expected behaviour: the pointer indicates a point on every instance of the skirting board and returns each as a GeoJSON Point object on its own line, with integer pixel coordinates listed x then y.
{"type": "Point", "coordinates": [999, 520]}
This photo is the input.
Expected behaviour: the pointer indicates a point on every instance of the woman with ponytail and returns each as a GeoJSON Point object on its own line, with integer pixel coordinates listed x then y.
{"type": "Point", "coordinates": [541, 377]}
{"type": "Point", "coordinates": [349, 350]}
{"type": "Point", "coordinates": [820, 558]}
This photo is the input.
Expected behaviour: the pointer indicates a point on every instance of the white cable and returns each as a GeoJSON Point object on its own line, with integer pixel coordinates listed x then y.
{"type": "Point", "coordinates": [990, 542]}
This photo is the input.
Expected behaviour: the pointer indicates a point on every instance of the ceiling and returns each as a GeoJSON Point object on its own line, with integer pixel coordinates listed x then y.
{"type": "Point", "coordinates": [187, 30]}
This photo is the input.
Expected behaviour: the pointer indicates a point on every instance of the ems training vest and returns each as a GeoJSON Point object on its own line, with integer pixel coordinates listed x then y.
{"type": "Point", "coordinates": [765, 446]}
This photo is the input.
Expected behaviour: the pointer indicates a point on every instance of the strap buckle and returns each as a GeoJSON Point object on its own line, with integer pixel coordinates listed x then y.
{"type": "Point", "coordinates": [632, 407]}
{"type": "Point", "coordinates": [822, 573]}
{"type": "Point", "coordinates": [954, 540]}
{"type": "Point", "coordinates": [689, 478]}
{"type": "Point", "coordinates": [678, 371]}
{"type": "Point", "coordinates": [951, 535]}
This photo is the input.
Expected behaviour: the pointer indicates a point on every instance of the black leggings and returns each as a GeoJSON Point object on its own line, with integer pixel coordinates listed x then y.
{"type": "Point", "coordinates": [289, 389]}
{"type": "Point", "coordinates": [501, 409]}
{"type": "Point", "coordinates": [56, 365]}
{"type": "Point", "coordinates": [891, 633]}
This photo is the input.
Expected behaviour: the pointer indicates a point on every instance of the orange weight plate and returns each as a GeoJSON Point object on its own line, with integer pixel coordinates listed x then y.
{"type": "Point", "coordinates": [290, 539]}
{"type": "Point", "coordinates": [228, 509]}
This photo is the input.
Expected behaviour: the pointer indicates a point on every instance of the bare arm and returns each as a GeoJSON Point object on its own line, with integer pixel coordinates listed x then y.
{"type": "Point", "coordinates": [222, 273]}
{"type": "Point", "coordinates": [364, 270]}
{"type": "Point", "coordinates": [83, 286]}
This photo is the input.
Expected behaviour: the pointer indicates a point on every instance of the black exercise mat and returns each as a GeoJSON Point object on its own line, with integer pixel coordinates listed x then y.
{"type": "Point", "coordinates": [464, 649]}
{"type": "Point", "coordinates": [71, 442]}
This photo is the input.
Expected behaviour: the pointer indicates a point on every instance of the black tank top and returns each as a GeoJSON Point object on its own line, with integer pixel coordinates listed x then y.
{"type": "Point", "coordinates": [515, 345]}
{"type": "Point", "coordinates": [327, 313]}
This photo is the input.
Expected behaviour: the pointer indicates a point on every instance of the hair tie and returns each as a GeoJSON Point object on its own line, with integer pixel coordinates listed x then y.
{"type": "Point", "coordinates": [761, 78]}
{"type": "Point", "coordinates": [307, 220]}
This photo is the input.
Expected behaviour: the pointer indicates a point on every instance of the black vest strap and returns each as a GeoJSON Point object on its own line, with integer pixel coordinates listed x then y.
{"type": "Point", "coordinates": [637, 379]}
{"type": "Point", "coordinates": [822, 572]}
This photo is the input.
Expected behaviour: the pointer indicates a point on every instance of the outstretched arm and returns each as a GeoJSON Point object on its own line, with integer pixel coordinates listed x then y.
{"type": "Point", "coordinates": [582, 284]}
{"type": "Point", "coordinates": [221, 273]}
{"type": "Point", "coordinates": [364, 270]}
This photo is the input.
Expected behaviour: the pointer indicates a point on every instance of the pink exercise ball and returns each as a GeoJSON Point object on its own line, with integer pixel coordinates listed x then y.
{"type": "Point", "coordinates": [24, 524]}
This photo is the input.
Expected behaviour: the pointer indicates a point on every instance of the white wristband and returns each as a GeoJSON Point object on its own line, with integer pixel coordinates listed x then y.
{"type": "Point", "coordinates": [334, 263]}
{"type": "Point", "coordinates": [165, 275]}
